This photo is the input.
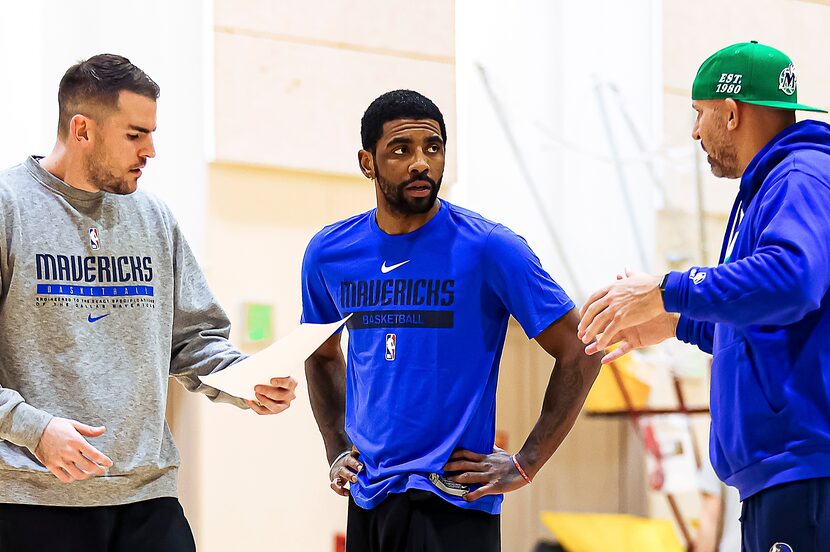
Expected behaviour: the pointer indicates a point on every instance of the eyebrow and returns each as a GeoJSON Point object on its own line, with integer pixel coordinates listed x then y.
{"type": "Point", "coordinates": [399, 140]}
{"type": "Point", "coordinates": [141, 129]}
{"type": "Point", "coordinates": [404, 140]}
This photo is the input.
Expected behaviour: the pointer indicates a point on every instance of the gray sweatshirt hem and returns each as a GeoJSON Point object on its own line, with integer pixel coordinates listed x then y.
{"type": "Point", "coordinates": [44, 489]}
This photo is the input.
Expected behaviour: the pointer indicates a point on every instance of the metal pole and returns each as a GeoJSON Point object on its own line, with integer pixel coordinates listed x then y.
{"type": "Point", "coordinates": [531, 183]}
{"type": "Point", "coordinates": [629, 207]}
{"type": "Point", "coordinates": [638, 139]}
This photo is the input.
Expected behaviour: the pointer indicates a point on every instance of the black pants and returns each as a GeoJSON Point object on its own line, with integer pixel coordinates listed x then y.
{"type": "Point", "coordinates": [156, 525]}
{"type": "Point", "coordinates": [794, 516]}
{"type": "Point", "coordinates": [419, 521]}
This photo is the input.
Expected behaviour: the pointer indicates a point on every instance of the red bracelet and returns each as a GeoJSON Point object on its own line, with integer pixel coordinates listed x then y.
{"type": "Point", "coordinates": [521, 471]}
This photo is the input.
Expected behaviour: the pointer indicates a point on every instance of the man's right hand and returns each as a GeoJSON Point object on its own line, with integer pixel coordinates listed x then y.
{"type": "Point", "coordinates": [656, 330]}
{"type": "Point", "coordinates": [65, 452]}
{"type": "Point", "coordinates": [343, 471]}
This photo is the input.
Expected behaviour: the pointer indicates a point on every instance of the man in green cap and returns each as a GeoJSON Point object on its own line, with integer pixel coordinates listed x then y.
{"type": "Point", "coordinates": [764, 311]}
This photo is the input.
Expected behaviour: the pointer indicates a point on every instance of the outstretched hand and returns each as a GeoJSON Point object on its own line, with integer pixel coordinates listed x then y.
{"type": "Point", "coordinates": [630, 301]}
{"type": "Point", "coordinates": [495, 472]}
{"type": "Point", "coordinates": [656, 330]}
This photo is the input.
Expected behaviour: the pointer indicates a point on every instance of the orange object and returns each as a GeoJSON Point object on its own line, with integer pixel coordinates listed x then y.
{"type": "Point", "coordinates": [605, 395]}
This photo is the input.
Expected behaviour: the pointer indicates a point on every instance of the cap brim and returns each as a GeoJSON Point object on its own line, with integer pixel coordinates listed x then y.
{"type": "Point", "coordinates": [784, 105]}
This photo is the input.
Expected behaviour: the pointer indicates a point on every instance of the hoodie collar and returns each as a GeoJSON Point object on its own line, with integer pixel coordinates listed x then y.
{"type": "Point", "coordinates": [791, 138]}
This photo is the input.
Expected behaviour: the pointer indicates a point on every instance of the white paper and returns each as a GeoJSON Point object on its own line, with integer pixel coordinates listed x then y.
{"type": "Point", "coordinates": [285, 357]}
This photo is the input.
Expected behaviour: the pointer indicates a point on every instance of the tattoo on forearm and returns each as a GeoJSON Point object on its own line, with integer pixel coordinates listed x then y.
{"type": "Point", "coordinates": [566, 392]}
{"type": "Point", "coordinates": [327, 395]}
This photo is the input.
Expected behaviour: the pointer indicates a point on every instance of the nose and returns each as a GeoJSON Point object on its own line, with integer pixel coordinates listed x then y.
{"type": "Point", "coordinates": [696, 129]}
{"type": "Point", "coordinates": [149, 150]}
{"type": "Point", "coordinates": [419, 163]}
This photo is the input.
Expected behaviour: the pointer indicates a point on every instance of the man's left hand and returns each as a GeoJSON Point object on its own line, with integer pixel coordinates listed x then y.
{"type": "Point", "coordinates": [274, 398]}
{"type": "Point", "coordinates": [495, 472]}
{"type": "Point", "coordinates": [629, 301]}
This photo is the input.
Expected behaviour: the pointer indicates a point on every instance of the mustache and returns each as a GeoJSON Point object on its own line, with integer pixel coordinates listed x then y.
{"type": "Point", "coordinates": [417, 178]}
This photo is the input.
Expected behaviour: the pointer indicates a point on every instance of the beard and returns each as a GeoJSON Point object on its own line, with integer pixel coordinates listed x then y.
{"type": "Point", "coordinates": [101, 175]}
{"type": "Point", "coordinates": [721, 155]}
{"type": "Point", "coordinates": [397, 201]}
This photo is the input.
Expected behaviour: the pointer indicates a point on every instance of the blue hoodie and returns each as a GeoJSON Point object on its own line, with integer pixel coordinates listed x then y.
{"type": "Point", "coordinates": [764, 315]}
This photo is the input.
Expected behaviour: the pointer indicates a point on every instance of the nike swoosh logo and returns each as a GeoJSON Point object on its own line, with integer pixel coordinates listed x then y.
{"type": "Point", "coordinates": [90, 318]}
{"type": "Point", "coordinates": [385, 269]}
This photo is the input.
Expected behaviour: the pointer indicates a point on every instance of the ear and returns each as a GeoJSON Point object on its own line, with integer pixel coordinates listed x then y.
{"type": "Point", "coordinates": [733, 113]}
{"type": "Point", "coordinates": [367, 165]}
{"type": "Point", "coordinates": [79, 128]}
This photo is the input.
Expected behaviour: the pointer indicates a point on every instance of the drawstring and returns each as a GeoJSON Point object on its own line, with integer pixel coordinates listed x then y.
{"type": "Point", "coordinates": [732, 227]}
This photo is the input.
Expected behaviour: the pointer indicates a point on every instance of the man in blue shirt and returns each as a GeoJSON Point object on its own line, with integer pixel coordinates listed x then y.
{"type": "Point", "coordinates": [409, 424]}
{"type": "Point", "coordinates": [764, 311]}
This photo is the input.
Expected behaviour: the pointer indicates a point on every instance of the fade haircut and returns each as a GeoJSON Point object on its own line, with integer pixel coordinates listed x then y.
{"type": "Point", "coordinates": [397, 104]}
{"type": "Point", "coordinates": [91, 87]}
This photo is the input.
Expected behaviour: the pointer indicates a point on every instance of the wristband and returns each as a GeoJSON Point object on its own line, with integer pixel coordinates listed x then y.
{"type": "Point", "coordinates": [339, 456]}
{"type": "Point", "coordinates": [521, 471]}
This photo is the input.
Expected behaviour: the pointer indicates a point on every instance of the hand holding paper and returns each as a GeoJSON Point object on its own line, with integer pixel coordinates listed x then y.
{"type": "Point", "coordinates": [285, 358]}
{"type": "Point", "coordinates": [273, 398]}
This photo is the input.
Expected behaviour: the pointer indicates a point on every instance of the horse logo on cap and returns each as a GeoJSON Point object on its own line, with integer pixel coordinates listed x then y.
{"type": "Point", "coordinates": [786, 80]}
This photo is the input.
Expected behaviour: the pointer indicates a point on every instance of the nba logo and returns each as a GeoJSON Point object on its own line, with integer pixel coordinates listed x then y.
{"type": "Point", "coordinates": [94, 242]}
{"type": "Point", "coordinates": [391, 344]}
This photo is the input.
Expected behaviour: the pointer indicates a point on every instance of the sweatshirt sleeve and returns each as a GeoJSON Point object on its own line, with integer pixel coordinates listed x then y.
{"type": "Point", "coordinates": [696, 332]}
{"type": "Point", "coordinates": [21, 423]}
{"type": "Point", "coordinates": [785, 277]}
{"type": "Point", "coordinates": [200, 344]}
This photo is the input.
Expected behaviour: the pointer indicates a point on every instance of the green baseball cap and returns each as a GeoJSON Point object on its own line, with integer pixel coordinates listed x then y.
{"type": "Point", "coordinates": [751, 73]}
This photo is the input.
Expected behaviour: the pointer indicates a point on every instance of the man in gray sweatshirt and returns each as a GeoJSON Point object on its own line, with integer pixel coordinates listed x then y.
{"type": "Point", "coordinates": [101, 300]}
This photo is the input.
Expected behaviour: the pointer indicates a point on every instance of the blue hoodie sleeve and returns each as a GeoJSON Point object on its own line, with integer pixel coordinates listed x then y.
{"type": "Point", "coordinates": [696, 332]}
{"type": "Point", "coordinates": [784, 278]}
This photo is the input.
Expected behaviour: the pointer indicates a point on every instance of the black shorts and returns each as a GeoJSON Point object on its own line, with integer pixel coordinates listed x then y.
{"type": "Point", "coordinates": [420, 521]}
{"type": "Point", "coordinates": [158, 525]}
{"type": "Point", "coordinates": [786, 518]}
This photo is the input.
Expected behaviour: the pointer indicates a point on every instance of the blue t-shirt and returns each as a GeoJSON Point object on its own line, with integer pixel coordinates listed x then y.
{"type": "Point", "coordinates": [430, 316]}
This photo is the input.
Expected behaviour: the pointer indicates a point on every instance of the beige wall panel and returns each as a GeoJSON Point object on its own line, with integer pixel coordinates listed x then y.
{"type": "Point", "coordinates": [425, 31]}
{"type": "Point", "coordinates": [297, 106]}
{"type": "Point", "coordinates": [680, 236]}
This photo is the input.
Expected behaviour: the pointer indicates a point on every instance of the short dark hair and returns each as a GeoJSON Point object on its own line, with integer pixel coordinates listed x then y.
{"type": "Point", "coordinates": [98, 81]}
{"type": "Point", "coordinates": [397, 104]}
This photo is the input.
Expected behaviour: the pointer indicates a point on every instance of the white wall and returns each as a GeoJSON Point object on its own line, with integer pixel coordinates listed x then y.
{"type": "Point", "coordinates": [543, 60]}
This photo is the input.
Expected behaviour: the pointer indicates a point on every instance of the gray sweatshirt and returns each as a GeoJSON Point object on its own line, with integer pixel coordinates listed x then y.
{"type": "Point", "coordinates": [101, 301]}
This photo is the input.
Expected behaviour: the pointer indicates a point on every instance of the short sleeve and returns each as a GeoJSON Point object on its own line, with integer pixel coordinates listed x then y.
{"type": "Point", "coordinates": [516, 276]}
{"type": "Point", "coordinates": [318, 304]}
